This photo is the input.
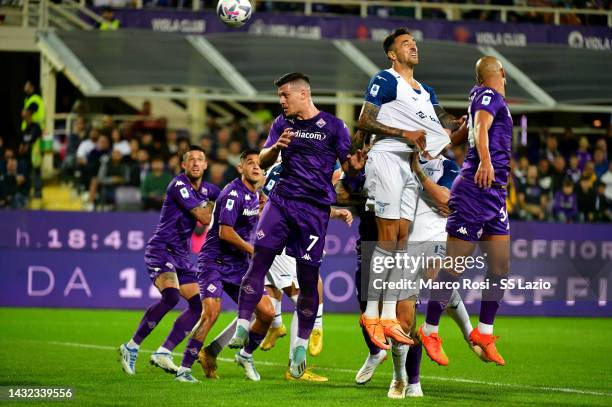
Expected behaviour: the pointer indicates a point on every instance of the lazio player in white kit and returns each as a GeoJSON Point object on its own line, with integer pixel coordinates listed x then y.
{"type": "Point", "coordinates": [401, 112]}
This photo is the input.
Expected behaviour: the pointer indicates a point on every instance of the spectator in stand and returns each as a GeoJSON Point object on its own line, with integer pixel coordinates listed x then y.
{"type": "Point", "coordinates": [606, 179]}
{"type": "Point", "coordinates": [206, 144]}
{"type": "Point", "coordinates": [30, 150]}
{"type": "Point", "coordinates": [589, 173]}
{"type": "Point", "coordinates": [174, 165]}
{"type": "Point", "coordinates": [147, 143]}
{"type": "Point", "coordinates": [558, 173]}
{"type": "Point", "coordinates": [601, 162]}
{"type": "Point", "coordinates": [154, 185]}
{"type": "Point", "coordinates": [14, 186]}
{"type": "Point", "coordinates": [573, 172]}
{"type": "Point", "coordinates": [171, 146]}
{"type": "Point", "coordinates": [568, 144]}
{"type": "Point", "coordinates": [602, 144]}
{"type": "Point", "coordinates": [545, 180]}
{"type": "Point", "coordinates": [551, 149]}
{"type": "Point", "coordinates": [183, 146]}
{"type": "Point", "coordinates": [216, 174]}
{"type": "Point", "coordinates": [92, 166]}
{"type": "Point", "coordinates": [602, 204]}
{"type": "Point", "coordinates": [520, 172]}
{"type": "Point", "coordinates": [110, 23]}
{"type": "Point", "coordinates": [234, 151]}
{"type": "Point", "coordinates": [252, 140]}
{"type": "Point", "coordinates": [119, 143]}
{"type": "Point", "coordinates": [565, 206]}
{"type": "Point", "coordinates": [532, 202]}
{"type": "Point", "coordinates": [586, 199]}
{"type": "Point", "coordinates": [149, 124]}
{"type": "Point", "coordinates": [144, 165]}
{"type": "Point", "coordinates": [583, 152]}
{"type": "Point", "coordinates": [114, 172]}
{"type": "Point", "coordinates": [222, 140]}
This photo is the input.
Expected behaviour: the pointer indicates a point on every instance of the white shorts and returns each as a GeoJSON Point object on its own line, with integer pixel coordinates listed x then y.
{"type": "Point", "coordinates": [390, 184]}
{"type": "Point", "coordinates": [283, 272]}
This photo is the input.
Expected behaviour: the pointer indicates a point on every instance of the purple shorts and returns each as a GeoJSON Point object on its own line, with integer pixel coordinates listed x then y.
{"type": "Point", "coordinates": [214, 279]}
{"type": "Point", "coordinates": [160, 261]}
{"type": "Point", "coordinates": [298, 226]}
{"type": "Point", "coordinates": [476, 212]}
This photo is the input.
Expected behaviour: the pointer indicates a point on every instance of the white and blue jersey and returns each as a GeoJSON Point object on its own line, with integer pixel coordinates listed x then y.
{"type": "Point", "coordinates": [428, 223]}
{"type": "Point", "coordinates": [272, 178]}
{"type": "Point", "coordinates": [403, 107]}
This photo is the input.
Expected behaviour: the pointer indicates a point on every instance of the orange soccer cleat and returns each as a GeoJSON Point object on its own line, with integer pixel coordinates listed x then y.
{"type": "Point", "coordinates": [393, 330]}
{"type": "Point", "coordinates": [375, 331]}
{"type": "Point", "coordinates": [433, 347]}
{"type": "Point", "coordinates": [487, 344]}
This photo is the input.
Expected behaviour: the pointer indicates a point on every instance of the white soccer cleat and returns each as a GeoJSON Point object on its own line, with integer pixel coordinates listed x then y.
{"type": "Point", "coordinates": [128, 359]}
{"type": "Point", "coordinates": [164, 361]}
{"type": "Point", "coordinates": [184, 375]}
{"type": "Point", "coordinates": [248, 366]}
{"type": "Point", "coordinates": [414, 390]}
{"type": "Point", "coordinates": [366, 372]}
{"type": "Point", "coordinates": [397, 389]}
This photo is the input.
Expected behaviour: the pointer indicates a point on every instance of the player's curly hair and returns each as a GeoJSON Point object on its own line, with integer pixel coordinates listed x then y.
{"type": "Point", "coordinates": [391, 37]}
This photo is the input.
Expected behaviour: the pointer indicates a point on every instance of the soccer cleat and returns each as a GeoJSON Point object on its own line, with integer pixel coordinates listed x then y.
{"type": "Point", "coordinates": [164, 361]}
{"type": "Point", "coordinates": [366, 372]}
{"type": "Point", "coordinates": [433, 347]}
{"type": "Point", "coordinates": [297, 365]}
{"type": "Point", "coordinates": [375, 331]}
{"type": "Point", "coordinates": [487, 344]}
{"type": "Point", "coordinates": [315, 344]}
{"type": "Point", "coordinates": [240, 338]}
{"type": "Point", "coordinates": [185, 376]}
{"type": "Point", "coordinates": [308, 376]}
{"type": "Point", "coordinates": [392, 329]}
{"type": "Point", "coordinates": [209, 363]}
{"type": "Point", "coordinates": [128, 359]}
{"type": "Point", "coordinates": [478, 351]}
{"type": "Point", "coordinates": [414, 390]}
{"type": "Point", "coordinates": [271, 336]}
{"type": "Point", "coordinates": [397, 389]}
{"type": "Point", "coordinates": [248, 366]}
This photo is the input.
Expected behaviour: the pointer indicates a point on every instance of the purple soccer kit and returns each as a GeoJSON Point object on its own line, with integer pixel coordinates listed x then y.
{"type": "Point", "coordinates": [297, 212]}
{"type": "Point", "coordinates": [476, 211]}
{"type": "Point", "coordinates": [221, 265]}
{"type": "Point", "coordinates": [168, 251]}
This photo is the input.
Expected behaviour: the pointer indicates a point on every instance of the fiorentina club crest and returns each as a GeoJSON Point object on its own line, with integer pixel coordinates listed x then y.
{"type": "Point", "coordinates": [321, 123]}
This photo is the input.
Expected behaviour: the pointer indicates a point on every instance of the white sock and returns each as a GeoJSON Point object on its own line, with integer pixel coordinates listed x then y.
{"type": "Point", "coordinates": [388, 310]}
{"type": "Point", "coordinates": [132, 345]}
{"type": "Point", "coordinates": [293, 333]}
{"type": "Point", "coordinates": [485, 329]}
{"type": "Point", "coordinates": [301, 342]}
{"type": "Point", "coordinates": [456, 310]}
{"type": "Point", "coordinates": [161, 349]}
{"type": "Point", "coordinates": [371, 310]}
{"type": "Point", "coordinates": [399, 352]}
{"type": "Point", "coordinates": [430, 329]}
{"type": "Point", "coordinates": [278, 316]}
{"type": "Point", "coordinates": [245, 354]}
{"type": "Point", "coordinates": [245, 323]}
{"type": "Point", "coordinates": [319, 321]}
{"type": "Point", "coordinates": [294, 299]}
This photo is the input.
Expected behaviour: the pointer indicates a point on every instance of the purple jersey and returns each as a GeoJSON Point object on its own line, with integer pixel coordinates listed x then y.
{"type": "Point", "coordinates": [237, 207]}
{"type": "Point", "coordinates": [500, 134]}
{"type": "Point", "coordinates": [176, 223]}
{"type": "Point", "coordinates": [308, 162]}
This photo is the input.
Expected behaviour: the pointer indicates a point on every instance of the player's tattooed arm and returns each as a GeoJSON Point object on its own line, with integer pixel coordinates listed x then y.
{"type": "Point", "coordinates": [368, 122]}
{"type": "Point", "coordinates": [447, 120]}
{"type": "Point", "coordinates": [358, 139]}
{"type": "Point", "coordinates": [229, 235]}
{"type": "Point", "coordinates": [203, 214]}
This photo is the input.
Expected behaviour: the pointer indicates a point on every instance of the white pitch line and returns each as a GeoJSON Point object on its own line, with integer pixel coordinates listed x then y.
{"type": "Point", "coordinates": [334, 369]}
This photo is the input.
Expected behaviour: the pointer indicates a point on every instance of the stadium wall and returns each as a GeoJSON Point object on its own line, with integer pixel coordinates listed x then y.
{"type": "Point", "coordinates": [95, 260]}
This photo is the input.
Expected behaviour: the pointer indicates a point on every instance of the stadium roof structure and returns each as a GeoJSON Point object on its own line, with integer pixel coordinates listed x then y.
{"type": "Point", "coordinates": [240, 67]}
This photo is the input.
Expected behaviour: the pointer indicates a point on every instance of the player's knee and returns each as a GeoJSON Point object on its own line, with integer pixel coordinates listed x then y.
{"type": "Point", "coordinates": [171, 296]}
{"type": "Point", "coordinates": [211, 312]}
{"type": "Point", "coordinates": [266, 314]}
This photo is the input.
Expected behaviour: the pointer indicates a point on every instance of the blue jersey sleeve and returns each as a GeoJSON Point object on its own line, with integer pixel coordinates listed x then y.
{"type": "Point", "coordinates": [272, 179]}
{"type": "Point", "coordinates": [381, 89]}
{"type": "Point", "coordinates": [450, 171]}
{"type": "Point", "coordinates": [432, 94]}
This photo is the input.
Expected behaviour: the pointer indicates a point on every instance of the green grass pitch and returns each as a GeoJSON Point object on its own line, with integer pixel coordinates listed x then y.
{"type": "Point", "coordinates": [550, 361]}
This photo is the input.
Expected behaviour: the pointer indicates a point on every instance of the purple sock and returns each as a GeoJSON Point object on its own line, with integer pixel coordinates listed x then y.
{"type": "Point", "coordinates": [490, 299]}
{"type": "Point", "coordinates": [184, 323]}
{"type": "Point", "coordinates": [439, 298]}
{"type": "Point", "coordinates": [374, 350]}
{"type": "Point", "coordinates": [191, 352]}
{"type": "Point", "coordinates": [155, 313]}
{"type": "Point", "coordinates": [413, 363]}
{"type": "Point", "coordinates": [254, 341]}
{"type": "Point", "coordinates": [252, 286]}
{"type": "Point", "coordinates": [308, 300]}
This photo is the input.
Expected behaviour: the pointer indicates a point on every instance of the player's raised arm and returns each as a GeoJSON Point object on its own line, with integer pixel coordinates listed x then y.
{"type": "Point", "coordinates": [368, 123]}
{"type": "Point", "coordinates": [269, 155]}
{"type": "Point", "coordinates": [485, 175]}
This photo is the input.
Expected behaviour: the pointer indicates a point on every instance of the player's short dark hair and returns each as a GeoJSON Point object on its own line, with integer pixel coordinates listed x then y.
{"type": "Point", "coordinates": [391, 37]}
{"type": "Point", "coordinates": [290, 77]}
{"type": "Point", "coordinates": [191, 148]}
{"type": "Point", "coordinates": [248, 152]}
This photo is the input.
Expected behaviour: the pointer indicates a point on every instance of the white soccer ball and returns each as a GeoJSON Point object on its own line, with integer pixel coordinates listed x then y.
{"type": "Point", "coordinates": [234, 13]}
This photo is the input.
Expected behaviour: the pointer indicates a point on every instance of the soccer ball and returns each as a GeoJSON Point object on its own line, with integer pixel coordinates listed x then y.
{"type": "Point", "coordinates": [234, 13]}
